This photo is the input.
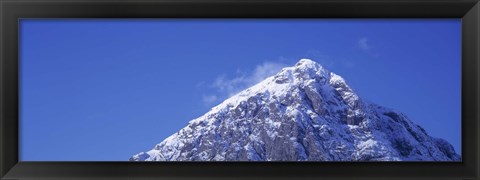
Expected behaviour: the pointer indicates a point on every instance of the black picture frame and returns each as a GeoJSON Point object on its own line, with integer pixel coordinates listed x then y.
{"type": "Point", "coordinates": [12, 10]}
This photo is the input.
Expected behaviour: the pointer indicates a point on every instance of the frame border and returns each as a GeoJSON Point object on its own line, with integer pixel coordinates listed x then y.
{"type": "Point", "coordinates": [12, 10]}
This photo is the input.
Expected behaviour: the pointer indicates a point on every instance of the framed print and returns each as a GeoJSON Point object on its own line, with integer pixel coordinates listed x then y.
{"type": "Point", "coordinates": [239, 89]}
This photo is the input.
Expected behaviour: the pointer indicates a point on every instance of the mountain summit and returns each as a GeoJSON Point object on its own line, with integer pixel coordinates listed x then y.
{"type": "Point", "coordinates": [303, 113]}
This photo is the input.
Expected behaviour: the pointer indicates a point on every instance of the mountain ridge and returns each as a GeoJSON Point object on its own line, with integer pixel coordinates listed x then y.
{"type": "Point", "coordinates": [303, 113]}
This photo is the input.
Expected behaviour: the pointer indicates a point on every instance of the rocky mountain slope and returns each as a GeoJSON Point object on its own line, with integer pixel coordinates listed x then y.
{"type": "Point", "coordinates": [303, 113]}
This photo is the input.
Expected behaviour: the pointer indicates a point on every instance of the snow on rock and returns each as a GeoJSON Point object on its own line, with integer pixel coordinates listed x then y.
{"type": "Point", "coordinates": [303, 113]}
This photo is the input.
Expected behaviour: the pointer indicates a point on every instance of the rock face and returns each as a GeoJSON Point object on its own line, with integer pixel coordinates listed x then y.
{"type": "Point", "coordinates": [303, 113]}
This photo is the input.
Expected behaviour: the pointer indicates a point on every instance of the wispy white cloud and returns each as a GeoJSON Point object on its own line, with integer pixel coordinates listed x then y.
{"type": "Point", "coordinates": [209, 99]}
{"type": "Point", "coordinates": [231, 86]}
{"type": "Point", "coordinates": [265, 70]}
{"type": "Point", "coordinates": [363, 44]}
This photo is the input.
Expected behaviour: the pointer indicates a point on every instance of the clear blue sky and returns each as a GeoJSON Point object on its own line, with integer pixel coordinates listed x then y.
{"type": "Point", "coordinates": [104, 90]}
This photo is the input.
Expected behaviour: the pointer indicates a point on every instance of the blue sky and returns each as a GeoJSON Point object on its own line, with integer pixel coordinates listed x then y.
{"type": "Point", "coordinates": [103, 90]}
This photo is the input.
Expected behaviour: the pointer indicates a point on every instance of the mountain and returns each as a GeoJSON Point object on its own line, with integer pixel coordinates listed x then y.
{"type": "Point", "coordinates": [303, 113]}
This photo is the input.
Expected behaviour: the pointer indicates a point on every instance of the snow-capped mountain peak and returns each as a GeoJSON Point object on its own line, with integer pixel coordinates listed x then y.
{"type": "Point", "coordinates": [302, 113]}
